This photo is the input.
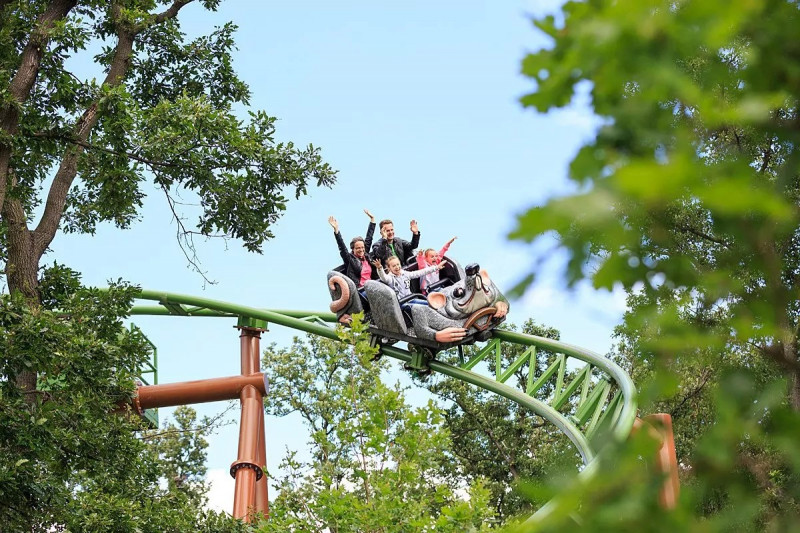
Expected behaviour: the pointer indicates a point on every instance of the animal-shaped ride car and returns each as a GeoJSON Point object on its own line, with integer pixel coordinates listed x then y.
{"type": "Point", "coordinates": [463, 312]}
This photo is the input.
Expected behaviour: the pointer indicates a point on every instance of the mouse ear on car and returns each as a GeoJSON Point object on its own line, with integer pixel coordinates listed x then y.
{"type": "Point", "coordinates": [437, 300]}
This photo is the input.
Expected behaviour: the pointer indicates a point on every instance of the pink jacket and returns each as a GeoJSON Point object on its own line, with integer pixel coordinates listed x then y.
{"type": "Point", "coordinates": [431, 277]}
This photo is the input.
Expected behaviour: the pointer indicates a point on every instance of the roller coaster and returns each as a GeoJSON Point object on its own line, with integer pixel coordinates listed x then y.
{"type": "Point", "coordinates": [579, 393]}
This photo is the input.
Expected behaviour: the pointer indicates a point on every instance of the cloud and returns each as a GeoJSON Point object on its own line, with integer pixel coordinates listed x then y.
{"type": "Point", "coordinates": [542, 297]}
{"type": "Point", "coordinates": [220, 495]}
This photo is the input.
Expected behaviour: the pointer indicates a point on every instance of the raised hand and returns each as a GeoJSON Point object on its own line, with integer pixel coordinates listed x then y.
{"type": "Point", "coordinates": [334, 224]}
{"type": "Point", "coordinates": [376, 263]}
{"type": "Point", "coordinates": [371, 218]}
{"type": "Point", "coordinates": [451, 241]}
{"type": "Point", "coordinates": [414, 227]}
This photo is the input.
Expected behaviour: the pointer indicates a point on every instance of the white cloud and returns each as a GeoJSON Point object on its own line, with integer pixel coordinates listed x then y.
{"type": "Point", "coordinates": [542, 297]}
{"type": "Point", "coordinates": [220, 495]}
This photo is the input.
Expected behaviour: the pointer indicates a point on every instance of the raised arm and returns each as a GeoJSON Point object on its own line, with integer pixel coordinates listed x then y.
{"type": "Point", "coordinates": [370, 231]}
{"type": "Point", "coordinates": [421, 262]}
{"type": "Point", "coordinates": [446, 247]}
{"type": "Point", "coordinates": [384, 277]}
{"type": "Point", "coordinates": [414, 237]}
{"type": "Point", "coordinates": [427, 270]}
{"type": "Point", "coordinates": [339, 241]}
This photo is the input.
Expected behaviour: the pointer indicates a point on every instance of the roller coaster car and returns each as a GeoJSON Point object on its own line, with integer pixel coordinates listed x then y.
{"type": "Point", "coordinates": [347, 300]}
{"type": "Point", "coordinates": [470, 307]}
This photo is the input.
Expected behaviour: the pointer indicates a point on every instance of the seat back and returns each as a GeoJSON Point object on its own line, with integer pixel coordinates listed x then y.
{"type": "Point", "coordinates": [413, 267]}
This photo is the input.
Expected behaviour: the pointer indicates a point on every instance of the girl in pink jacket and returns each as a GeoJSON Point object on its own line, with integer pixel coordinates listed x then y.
{"type": "Point", "coordinates": [431, 257]}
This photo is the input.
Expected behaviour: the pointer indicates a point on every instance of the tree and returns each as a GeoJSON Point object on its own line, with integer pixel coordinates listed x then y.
{"type": "Point", "coordinates": [376, 464]}
{"type": "Point", "coordinates": [71, 458]}
{"type": "Point", "coordinates": [181, 448]}
{"type": "Point", "coordinates": [688, 198]}
{"type": "Point", "coordinates": [164, 113]}
{"type": "Point", "coordinates": [499, 441]}
{"type": "Point", "coordinates": [692, 185]}
{"type": "Point", "coordinates": [695, 374]}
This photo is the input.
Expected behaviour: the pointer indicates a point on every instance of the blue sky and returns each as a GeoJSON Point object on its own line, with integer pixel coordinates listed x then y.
{"type": "Point", "coordinates": [416, 105]}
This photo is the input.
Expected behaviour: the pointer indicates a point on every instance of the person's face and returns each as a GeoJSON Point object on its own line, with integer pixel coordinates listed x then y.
{"type": "Point", "coordinates": [394, 266]}
{"type": "Point", "coordinates": [433, 258]}
{"type": "Point", "coordinates": [387, 232]}
{"type": "Point", "coordinates": [359, 250]}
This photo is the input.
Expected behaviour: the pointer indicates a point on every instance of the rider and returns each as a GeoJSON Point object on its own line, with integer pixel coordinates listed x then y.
{"type": "Point", "coordinates": [356, 261]}
{"type": "Point", "coordinates": [428, 258]}
{"type": "Point", "coordinates": [390, 245]}
{"type": "Point", "coordinates": [400, 280]}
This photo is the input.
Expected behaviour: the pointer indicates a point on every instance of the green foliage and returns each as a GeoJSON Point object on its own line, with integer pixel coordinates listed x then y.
{"type": "Point", "coordinates": [171, 111]}
{"type": "Point", "coordinates": [182, 448]}
{"type": "Point", "coordinates": [376, 463]}
{"type": "Point", "coordinates": [497, 440]}
{"type": "Point", "coordinates": [688, 198]}
{"type": "Point", "coordinates": [70, 458]}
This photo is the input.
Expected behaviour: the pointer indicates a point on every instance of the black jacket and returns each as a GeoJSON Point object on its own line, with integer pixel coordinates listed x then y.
{"type": "Point", "coordinates": [403, 249]}
{"type": "Point", "coordinates": [352, 264]}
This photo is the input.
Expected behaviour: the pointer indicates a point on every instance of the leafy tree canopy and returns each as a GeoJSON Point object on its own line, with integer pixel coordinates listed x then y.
{"type": "Point", "coordinates": [692, 185]}
{"type": "Point", "coordinates": [168, 110]}
{"type": "Point", "coordinates": [688, 198]}
{"type": "Point", "coordinates": [376, 463]}
{"type": "Point", "coordinates": [71, 459]}
{"type": "Point", "coordinates": [499, 441]}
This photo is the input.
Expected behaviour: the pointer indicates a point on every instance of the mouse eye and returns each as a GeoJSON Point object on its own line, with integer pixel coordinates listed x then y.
{"type": "Point", "coordinates": [458, 293]}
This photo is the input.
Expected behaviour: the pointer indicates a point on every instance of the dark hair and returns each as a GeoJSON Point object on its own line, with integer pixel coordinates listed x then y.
{"type": "Point", "coordinates": [384, 222]}
{"type": "Point", "coordinates": [354, 241]}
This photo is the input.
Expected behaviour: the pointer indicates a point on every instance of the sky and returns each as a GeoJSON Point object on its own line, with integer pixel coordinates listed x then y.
{"type": "Point", "coordinates": [416, 104]}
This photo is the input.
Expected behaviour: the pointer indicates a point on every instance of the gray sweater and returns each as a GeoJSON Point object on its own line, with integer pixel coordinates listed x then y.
{"type": "Point", "coordinates": [401, 283]}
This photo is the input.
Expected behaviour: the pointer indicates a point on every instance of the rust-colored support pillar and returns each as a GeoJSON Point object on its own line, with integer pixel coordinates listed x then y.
{"type": "Point", "coordinates": [666, 459]}
{"type": "Point", "coordinates": [247, 470]}
{"type": "Point", "coordinates": [659, 425]}
{"type": "Point", "coordinates": [262, 491]}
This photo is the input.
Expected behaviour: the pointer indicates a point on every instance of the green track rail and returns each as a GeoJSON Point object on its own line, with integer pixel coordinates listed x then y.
{"type": "Point", "coordinates": [598, 395]}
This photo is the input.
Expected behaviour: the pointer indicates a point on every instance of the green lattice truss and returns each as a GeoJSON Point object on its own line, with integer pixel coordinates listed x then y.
{"type": "Point", "coordinates": [600, 395]}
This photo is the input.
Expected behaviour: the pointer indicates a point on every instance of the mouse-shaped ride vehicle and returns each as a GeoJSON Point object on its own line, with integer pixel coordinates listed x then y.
{"type": "Point", "coordinates": [462, 312]}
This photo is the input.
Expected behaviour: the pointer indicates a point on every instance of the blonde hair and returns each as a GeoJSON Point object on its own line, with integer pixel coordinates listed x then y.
{"type": "Point", "coordinates": [390, 260]}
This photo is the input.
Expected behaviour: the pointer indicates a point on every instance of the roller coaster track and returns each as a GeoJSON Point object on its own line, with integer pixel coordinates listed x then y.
{"type": "Point", "coordinates": [579, 392]}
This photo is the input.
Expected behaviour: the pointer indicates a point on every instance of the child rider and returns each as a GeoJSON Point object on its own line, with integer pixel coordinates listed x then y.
{"type": "Point", "coordinates": [400, 280]}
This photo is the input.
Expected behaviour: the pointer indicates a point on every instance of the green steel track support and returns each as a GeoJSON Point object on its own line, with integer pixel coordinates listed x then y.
{"type": "Point", "coordinates": [481, 355]}
{"type": "Point", "coordinates": [151, 369]}
{"type": "Point", "coordinates": [577, 409]}
{"type": "Point", "coordinates": [529, 356]}
{"type": "Point", "coordinates": [571, 388]}
{"type": "Point", "coordinates": [546, 375]}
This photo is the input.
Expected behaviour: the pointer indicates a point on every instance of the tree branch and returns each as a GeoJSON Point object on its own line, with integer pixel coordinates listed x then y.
{"type": "Point", "coordinates": [497, 443]}
{"type": "Point", "coordinates": [777, 353]}
{"type": "Point", "coordinates": [68, 169]}
{"type": "Point", "coordinates": [767, 155]}
{"type": "Point", "coordinates": [85, 144]}
{"type": "Point", "coordinates": [170, 12]}
{"type": "Point", "coordinates": [702, 235]}
{"type": "Point", "coordinates": [120, 63]}
{"type": "Point", "coordinates": [706, 375]}
{"type": "Point", "coordinates": [21, 85]}
{"type": "Point", "coordinates": [185, 241]}
{"type": "Point", "coordinates": [212, 423]}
